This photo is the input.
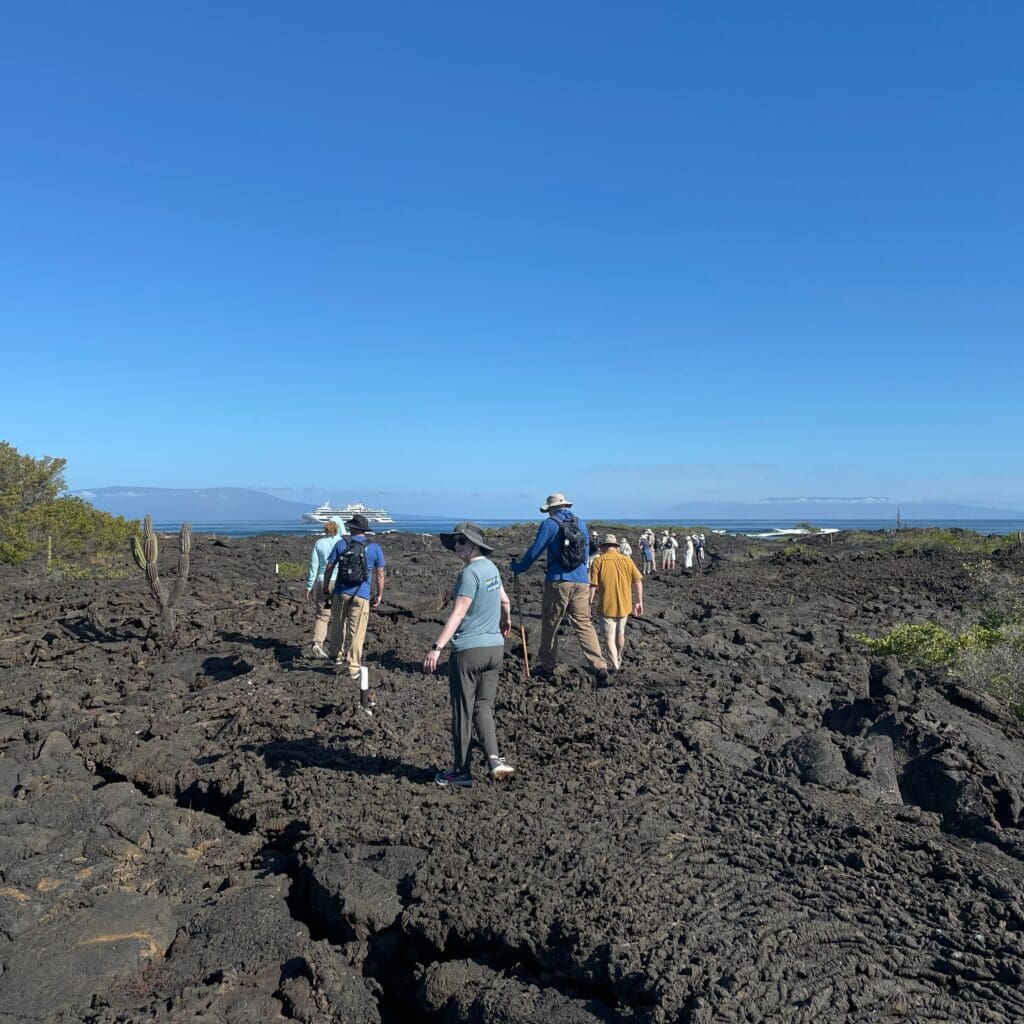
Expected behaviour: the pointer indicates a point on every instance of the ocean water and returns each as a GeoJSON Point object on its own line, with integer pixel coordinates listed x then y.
{"type": "Point", "coordinates": [748, 527]}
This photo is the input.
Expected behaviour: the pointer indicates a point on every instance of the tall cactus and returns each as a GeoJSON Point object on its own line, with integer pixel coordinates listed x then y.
{"type": "Point", "coordinates": [146, 552]}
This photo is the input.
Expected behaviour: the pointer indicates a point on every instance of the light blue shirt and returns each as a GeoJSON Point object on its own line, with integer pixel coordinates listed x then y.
{"type": "Point", "coordinates": [318, 560]}
{"type": "Point", "coordinates": [481, 581]}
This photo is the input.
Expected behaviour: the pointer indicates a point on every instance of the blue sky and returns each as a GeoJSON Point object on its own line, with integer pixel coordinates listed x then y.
{"type": "Point", "coordinates": [464, 254]}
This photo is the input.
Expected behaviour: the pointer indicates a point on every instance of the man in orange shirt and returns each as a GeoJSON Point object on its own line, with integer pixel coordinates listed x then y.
{"type": "Point", "coordinates": [611, 576]}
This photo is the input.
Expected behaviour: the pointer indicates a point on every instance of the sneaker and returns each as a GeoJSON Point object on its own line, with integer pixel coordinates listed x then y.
{"type": "Point", "coordinates": [601, 675]}
{"type": "Point", "coordinates": [453, 777]}
{"type": "Point", "coordinates": [499, 768]}
{"type": "Point", "coordinates": [318, 651]}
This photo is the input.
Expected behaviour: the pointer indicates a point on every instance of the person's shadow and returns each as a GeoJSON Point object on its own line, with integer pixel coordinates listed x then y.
{"type": "Point", "coordinates": [85, 630]}
{"type": "Point", "coordinates": [288, 656]}
{"type": "Point", "coordinates": [390, 659]}
{"type": "Point", "coordinates": [286, 757]}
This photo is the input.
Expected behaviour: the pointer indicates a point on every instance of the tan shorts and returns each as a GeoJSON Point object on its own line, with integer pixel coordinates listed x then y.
{"type": "Point", "coordinates": [614, 626]}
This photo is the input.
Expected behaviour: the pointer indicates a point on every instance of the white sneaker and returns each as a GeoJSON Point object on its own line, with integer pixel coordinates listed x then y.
{"type": "Point", "coordinates": [498, 768]}
{"type": "Point", "coordinates": [318, 651]}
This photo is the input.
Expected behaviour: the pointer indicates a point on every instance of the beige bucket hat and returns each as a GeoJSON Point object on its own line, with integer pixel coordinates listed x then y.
{"type": "Point", "coordinates": [608, 540]}
{"type": "Point", "coordinates": [556, 500]}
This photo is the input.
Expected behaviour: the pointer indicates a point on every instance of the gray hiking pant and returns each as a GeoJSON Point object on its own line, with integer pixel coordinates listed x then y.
{"type": "Point", "coordinates": [473, 681]}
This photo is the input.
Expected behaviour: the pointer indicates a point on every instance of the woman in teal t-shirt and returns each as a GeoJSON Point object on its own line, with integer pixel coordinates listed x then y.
{"type": "Point", "coordinates": [476, 628]}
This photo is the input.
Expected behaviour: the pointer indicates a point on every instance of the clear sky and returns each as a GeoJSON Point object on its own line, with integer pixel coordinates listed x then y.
{"type": "Point", "coordinates": [463, 254]}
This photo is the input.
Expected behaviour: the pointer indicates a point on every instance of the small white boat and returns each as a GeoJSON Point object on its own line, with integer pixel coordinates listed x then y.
{"type": "Point", "coordinates": [325, 512]}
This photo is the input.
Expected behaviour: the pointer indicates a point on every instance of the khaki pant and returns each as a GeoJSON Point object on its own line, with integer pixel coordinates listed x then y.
{"type": "Point", "coordinates": [349, 616]}
{"type": "Point", "coordinates": [322, 612]}
{"type": "Point", "coordinates": [615, 638]}
{"type": "Point", "coordinates": [560, 600]}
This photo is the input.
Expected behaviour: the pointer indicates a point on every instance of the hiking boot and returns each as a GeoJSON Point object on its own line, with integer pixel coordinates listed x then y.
{"type": "Point", "coordinates": [453, 777]}
{"type": "Point", "coordinates": [499, 768]}
{"type": "Point", "coordinates": [601, 677]}
{"type": "Point", "coordinates": [318, 651]}
{"type": "Point", "coordinates": [544, 675]}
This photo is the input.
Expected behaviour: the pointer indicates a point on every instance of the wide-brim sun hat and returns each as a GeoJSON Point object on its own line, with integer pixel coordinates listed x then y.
{"type": "Point", "coordinates": [556, 500]}
{"type": "Point", "coordinates": [471, 532]}
{"type": "Point", "coordinates": [608, 540]}
{"type": "Point", "coordinates": [358, 524]}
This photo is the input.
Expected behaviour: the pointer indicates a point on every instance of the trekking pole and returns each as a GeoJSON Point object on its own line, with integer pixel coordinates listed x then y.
{"type": "Point", "coordinates": [522, 628]}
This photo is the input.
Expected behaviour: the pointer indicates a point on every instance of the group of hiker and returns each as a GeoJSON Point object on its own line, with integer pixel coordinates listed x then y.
{"type": "Point", "coordinates": [575, 584]}
{"type": "Point", "coordinates": [666, 544]}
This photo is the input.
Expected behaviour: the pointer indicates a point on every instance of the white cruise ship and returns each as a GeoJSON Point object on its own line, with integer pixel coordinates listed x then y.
{"type": "Point", "coordinates": [327, 511]}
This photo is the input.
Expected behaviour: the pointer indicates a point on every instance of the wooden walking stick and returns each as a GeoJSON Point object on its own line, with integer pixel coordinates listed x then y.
{"type": "Point", "coordinates": [522, 628]}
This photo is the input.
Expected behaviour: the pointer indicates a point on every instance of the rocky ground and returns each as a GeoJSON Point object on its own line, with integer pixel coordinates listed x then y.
{"type": "Point", "coordinates": [756, 822]}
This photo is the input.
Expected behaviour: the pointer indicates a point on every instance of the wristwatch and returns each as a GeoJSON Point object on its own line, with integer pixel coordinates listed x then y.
{"type": "Point", "coordinates": [434, 647]}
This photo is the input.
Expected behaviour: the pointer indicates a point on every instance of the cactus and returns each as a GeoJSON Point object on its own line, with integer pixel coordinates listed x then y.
{"type": "Point", "coordinates": [145, 554]}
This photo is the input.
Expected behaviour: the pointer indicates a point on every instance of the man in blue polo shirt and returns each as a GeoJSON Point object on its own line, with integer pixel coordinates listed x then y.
{"type": "Point", "coordinates": [350, 603]}
{"type": "Point", "coordinates": [566, 592]}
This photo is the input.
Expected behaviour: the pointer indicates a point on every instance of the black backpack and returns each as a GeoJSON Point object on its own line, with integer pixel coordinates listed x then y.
{"type": "Point", "coordinates": [353, 569]}
{"type": "Point", "coordinates": [572, 544]}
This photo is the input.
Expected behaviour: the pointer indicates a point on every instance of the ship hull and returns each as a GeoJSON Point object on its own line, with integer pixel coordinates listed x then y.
{"type": "Point", "coordinates": [327, 512]}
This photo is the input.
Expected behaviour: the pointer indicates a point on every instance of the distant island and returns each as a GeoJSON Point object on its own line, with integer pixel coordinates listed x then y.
{"type": "Point", "coordinates": [812, 509]}
{"type": "Point", "coordinates": [205, 504]}
{"type": "Point", "coordinates": [241, 504]}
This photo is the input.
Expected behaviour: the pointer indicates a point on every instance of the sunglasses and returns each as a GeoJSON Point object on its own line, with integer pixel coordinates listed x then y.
{"type": "Point", "coordinates": [460, 540]}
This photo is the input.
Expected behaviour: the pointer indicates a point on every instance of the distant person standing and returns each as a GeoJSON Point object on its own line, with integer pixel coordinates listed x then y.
{"type": "Point", "coordinates": [700, 550]}
{"type": "Point", "coordinates": [666, 547]}
{"type": "Point", "coordinates": [315, 582]}
{"type": "Point", "coordinates": [565, 540]}
{"type": "Point", "coordinates": [611, 577]}
{"type": "Point", "coordinates": [625, 547]}
{"type": "Point", "coordinates": [480, 619]}
{"type": "Point", "coordinates": [355, 557]}
{"type": "Point", "coordinates": [673, 544]}
{"type": "Point", "coordinates": [688, 554]}
{"type": "Point", "coordinates": [646, 553]}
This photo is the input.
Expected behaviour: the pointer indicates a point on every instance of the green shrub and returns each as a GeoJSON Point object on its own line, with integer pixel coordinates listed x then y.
{"type": "Point", "coordinates": [998, 669]}
{"type": "Point", "coordinates": [929, 644]}
{"type": "Point", "coordinates": [934, 539]}
{"type": "Point", "coordinates": [62, 570]}
{"type": "Point", "coordinates": [34, 520]}
{"type": "Point", "coordinates": [809, 527]}
{"type": "Point", "coordinates": [982, 657]}
{"type": "Point", "coordinates": [291, 570]}
{"type": "Point", "coordinates": [25, 481]}
{"type": "Point", "coordinates": [794, 550]}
